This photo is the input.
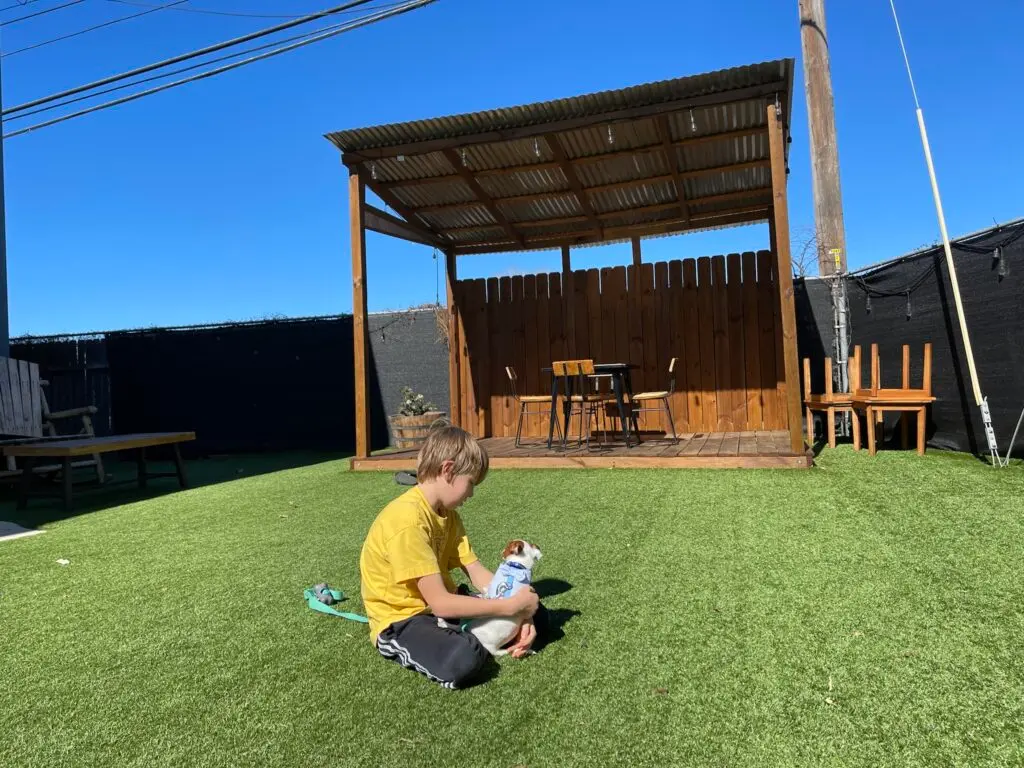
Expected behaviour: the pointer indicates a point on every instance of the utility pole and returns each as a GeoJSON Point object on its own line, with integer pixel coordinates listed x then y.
{"type": "Point", "coordinates": [828, 199]}
{"type": "Point", "coordinates": [5, 327]}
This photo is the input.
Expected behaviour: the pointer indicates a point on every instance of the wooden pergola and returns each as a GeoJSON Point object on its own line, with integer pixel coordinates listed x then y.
{"type": "Point", "coordinates": [689, 154]}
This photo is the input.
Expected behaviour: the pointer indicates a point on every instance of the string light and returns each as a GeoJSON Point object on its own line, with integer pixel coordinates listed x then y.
{"type": "Point", "coordinates": [909, 311]}
{"type": "Point", "coordinates": [536, 148]}
{"type": "Point", "coordinates": [693, 123]}
{"type": "Point", "coordinates": [462, 154]}
{"type": "Point", "coordinates": [373, 171]}
{"type": "Point", "coordinates": [867, 304]}
{"type": "Point", "coordinates": [611, 135]}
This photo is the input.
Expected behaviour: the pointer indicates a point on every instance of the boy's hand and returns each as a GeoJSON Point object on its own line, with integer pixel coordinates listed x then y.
{"type": "Point", "coordinates": [523, 603]}
{"type": "Point", "coordinates": [527, 634]}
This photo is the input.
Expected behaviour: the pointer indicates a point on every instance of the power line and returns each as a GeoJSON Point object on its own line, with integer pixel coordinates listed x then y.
{"type": "Point", "coordinates": [362, 22]}
{"type": "Point", "coordinates": [179, 70]}
{"type": "Point", "coordinates": [17, 5]}
{"type": "Point", "coordinates": [40, 13]}
{"type": "Point", "coordinates": [154, 9]}
{"type": "Point", "coordinates": [186, 56]}
{"type": "Point", "coordinates": [210, 11]}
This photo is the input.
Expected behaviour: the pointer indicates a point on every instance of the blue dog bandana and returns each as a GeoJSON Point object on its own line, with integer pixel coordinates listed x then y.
{"type": "Point", "coordinates": [508, 579]}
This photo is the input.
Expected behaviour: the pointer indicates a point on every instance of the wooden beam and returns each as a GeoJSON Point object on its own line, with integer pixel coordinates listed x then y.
{"type": "Point", "coordinates": [482, 195]}
{"type": "Point", "coordinates": [569, 124]}
{"type": "Point", "coordinates": [360, 338]}
{"type": "Point", "coordinates": [383, 222]}
{"type": "Point", "coordinates": [407, 213]}
{"type": "Point", "coordinates": [548, 165]}
{"type": "Point", "coordinates": [634, 311]}
{"type": "Point", "coordinates": [672, 159]}
{"type": "Point", "coordinates": [784, 275]}
{"type": "Point", "coordinates": [569, 301]}
{"type": "Point", "coordinates": [574, 181]}
{"type": "Point", "coordinates": [690, 141]}
{"type": "Point", "coordinates": [531, 196]}
{"type": "Point", "coordinates": [595, 461]}
{"type": "Point", "coordinates": [454, 343]}
{"type": "Point", "coordinates": [747, 215]}
{"type": "Point", "coordinates": [753, 193]}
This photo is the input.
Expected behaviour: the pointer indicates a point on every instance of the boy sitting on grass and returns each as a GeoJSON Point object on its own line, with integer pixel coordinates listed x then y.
{"type": "Point", "coordinates": [406, 558]}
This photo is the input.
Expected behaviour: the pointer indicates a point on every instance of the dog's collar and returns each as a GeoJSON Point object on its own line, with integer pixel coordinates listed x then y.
{"type": "Point", "coordinates": [513, 564]}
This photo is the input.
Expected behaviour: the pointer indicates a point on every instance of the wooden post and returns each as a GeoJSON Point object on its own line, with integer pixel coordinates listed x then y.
{"type": "Point", "coordinates": [821, 120]}
{"type": "Point", "coordinates": [454, 342]}
{"type": "Point", "coordinates": [784, 272]}
{"type": "Point", "coordinates": [636, 332]}
{"type": "Point", "coordinates": [356, 199]}
{"type": "Point", "coordinates": [5, 330]}
{"type": "Point", "coordinates": [568, 302]}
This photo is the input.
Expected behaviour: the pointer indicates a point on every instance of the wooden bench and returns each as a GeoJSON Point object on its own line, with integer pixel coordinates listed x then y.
{"type": "Point", "coordinates": [68, 449]}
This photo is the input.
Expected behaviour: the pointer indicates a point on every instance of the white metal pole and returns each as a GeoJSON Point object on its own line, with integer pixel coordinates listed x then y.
{"type": "Point", "coordinates": [949, 260]}
{"type": "Point", "coordinates": [979, 399]}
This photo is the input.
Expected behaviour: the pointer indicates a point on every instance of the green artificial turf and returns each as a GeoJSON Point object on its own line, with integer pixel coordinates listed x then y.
{"type": "Point", "coordinates": [868, 612]}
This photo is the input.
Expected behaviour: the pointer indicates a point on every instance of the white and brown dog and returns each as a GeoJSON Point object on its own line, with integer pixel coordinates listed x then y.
{"type": "Point", "coordinates": [515, 572]}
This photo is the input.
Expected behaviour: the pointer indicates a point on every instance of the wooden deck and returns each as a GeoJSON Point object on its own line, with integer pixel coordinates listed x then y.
{"type": "Point", "coordinates": [707, 450]}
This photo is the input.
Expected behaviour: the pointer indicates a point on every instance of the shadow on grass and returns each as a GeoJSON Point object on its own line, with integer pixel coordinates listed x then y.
{"type": "Point", "coordinates": [551, 587]}
{"type": "Point", "coordinates": [122, 486]}
{"type": "Point", "coordinates": [554, 626]}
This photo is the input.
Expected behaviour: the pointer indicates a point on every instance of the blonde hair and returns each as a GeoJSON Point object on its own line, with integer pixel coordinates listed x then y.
{"type": "Point", "coordinates": [448, 443]}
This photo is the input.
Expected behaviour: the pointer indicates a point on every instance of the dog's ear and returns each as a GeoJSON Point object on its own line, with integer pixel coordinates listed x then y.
{"type": "Point", "coordinates": [514, 547]}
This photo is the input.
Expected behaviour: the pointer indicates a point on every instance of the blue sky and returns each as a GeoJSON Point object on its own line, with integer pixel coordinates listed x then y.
{"type": "Point", "coordinates": [221, 200]}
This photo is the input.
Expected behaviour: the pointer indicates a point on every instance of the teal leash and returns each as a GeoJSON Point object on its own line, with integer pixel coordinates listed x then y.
{"type": "Point", "coordinates": [337, 596]}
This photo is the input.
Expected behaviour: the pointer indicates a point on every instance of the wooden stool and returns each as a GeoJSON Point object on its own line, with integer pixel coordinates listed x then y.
{"type": "Point", "coordinates": [876, 400]}
{"type": "Point", "coordinates": [829, 403]}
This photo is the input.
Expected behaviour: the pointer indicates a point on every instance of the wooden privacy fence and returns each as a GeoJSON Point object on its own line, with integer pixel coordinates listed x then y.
{"type": "Point", "coordinates": [719, 315]}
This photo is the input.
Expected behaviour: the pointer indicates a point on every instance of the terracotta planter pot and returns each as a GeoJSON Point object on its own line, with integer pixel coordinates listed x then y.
{"type": "Point", "coordinates": [411, 431]}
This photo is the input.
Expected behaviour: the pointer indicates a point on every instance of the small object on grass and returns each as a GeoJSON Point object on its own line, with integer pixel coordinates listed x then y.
{"type": "Point", "coordinates": [62, 561]}
{"type": "Point", "coordinates": [322, 592]}
{"type": "Point", "coordinates": [405, 478]}
{"type": "Point", "coordinates": [661, 691]}
{"type": "Point", "coordinates": [317, 598]}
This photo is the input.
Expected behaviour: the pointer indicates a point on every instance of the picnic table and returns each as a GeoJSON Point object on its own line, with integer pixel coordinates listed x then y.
{"type": "Point", "coordinates": [68, 449]}
{"type": "Point", "coordinates": [622, 385]}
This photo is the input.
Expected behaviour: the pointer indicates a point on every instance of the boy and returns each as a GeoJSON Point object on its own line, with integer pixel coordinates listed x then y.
{"type": "Point", "coordinates": [408, 553]}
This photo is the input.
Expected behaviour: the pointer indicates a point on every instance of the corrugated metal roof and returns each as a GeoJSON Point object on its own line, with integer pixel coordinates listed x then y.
{"type": "Point", "coordinates": [450, 177]}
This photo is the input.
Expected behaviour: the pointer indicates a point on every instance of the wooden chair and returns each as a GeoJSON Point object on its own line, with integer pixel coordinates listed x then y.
{"type": "Point", "coordinates": [662, 396]}
{"type": "Point", "coordinates": [525, 401]}
{"type": "Point", "coordinates": [25, 416]}
{"type": "Point", "coordinates": [83, 413]}
{"type": "Point", "coordinates": [830, 403]}
{"type": "Point", "coordinates": [590, 403]}
{"type": "Point", "coordinates": [876, 400]}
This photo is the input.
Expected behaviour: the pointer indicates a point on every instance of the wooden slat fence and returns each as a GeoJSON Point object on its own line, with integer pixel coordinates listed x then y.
{"type": "Point", "coordinates": [718, 315]}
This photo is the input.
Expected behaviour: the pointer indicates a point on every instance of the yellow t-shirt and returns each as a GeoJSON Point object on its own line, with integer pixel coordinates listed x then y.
{"type": "Point", "coordinates": [406, 542]}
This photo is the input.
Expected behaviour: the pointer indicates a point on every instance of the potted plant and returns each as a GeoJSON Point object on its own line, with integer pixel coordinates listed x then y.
{"type": "Point", "coordinates": [413, 420]}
